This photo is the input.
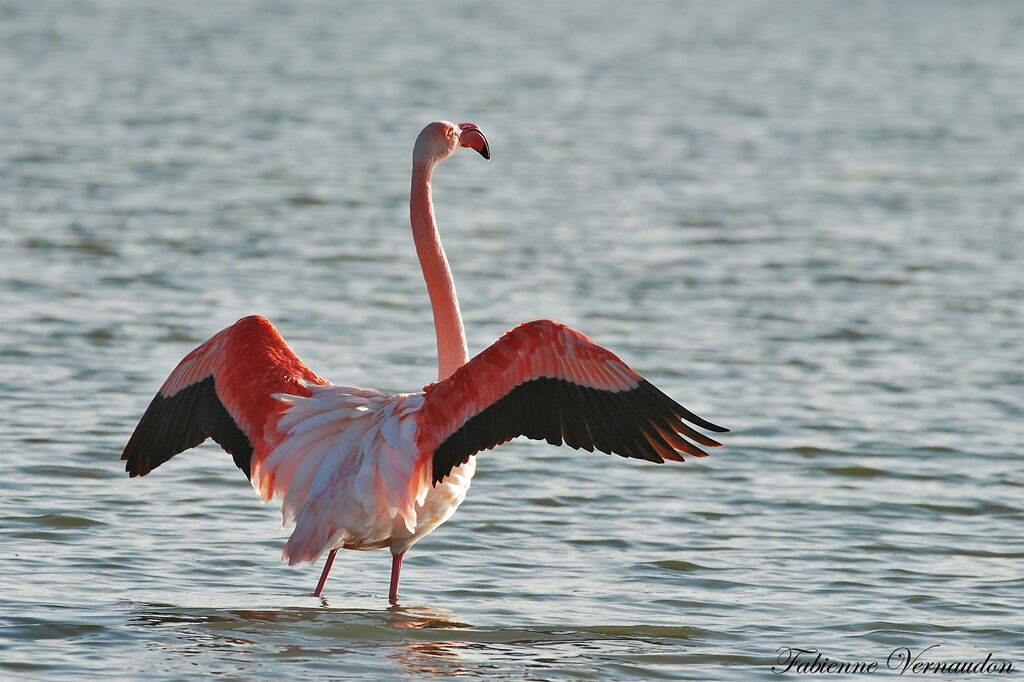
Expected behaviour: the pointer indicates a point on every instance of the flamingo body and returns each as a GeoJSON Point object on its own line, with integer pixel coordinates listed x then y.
{"type": "Point", "coordinates": [358, 468]}
{"type": "Point", "coordinates": [345, 464]}
{"type": "Point", "coordinates": [343, 460]}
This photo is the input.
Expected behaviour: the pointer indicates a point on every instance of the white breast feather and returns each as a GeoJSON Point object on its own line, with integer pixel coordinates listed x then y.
{"type": "Point", "coordinates": [343, 461]}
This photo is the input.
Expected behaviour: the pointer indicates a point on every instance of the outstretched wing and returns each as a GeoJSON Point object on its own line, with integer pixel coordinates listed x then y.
{"type": "Point", "coordinates": [546, 381]}
{"type": "Point", "coordinates": [222, 390]}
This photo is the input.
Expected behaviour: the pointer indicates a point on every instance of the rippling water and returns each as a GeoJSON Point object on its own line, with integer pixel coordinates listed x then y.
{"type": "Point", "coordinates": [803, 220]}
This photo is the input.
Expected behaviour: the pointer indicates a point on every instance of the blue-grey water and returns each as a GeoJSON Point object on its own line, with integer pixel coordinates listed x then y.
{"type": "Point", "coordinates": [804, 220]}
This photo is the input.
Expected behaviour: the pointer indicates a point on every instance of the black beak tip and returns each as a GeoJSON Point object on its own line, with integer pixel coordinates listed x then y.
{"type": "Point", "coordinates": [485, 151]}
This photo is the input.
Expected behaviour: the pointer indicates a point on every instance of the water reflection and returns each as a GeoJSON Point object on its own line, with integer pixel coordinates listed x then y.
{"type": "Point", "coordinates": [433, 659]}
{"type": "Point", "coordinates": [416, 638]}
{"type": "Point", "coordinates": [420, 618]}
{"type": "Point", "coordinates": [422, 654]}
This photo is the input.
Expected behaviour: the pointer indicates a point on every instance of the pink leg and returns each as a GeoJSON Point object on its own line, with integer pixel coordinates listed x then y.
{"type": "Point", "coordinates": [323, 576]}
{"type": "Point", "coordinates": [396, 568]}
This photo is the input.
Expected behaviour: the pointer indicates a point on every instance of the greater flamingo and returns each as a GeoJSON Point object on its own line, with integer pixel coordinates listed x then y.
{"type": "Point", "coordinates": [358, 468]}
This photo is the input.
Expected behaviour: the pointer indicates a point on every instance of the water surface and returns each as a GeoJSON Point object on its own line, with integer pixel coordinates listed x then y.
{"type": "Point", "coordinates": [802, 220]}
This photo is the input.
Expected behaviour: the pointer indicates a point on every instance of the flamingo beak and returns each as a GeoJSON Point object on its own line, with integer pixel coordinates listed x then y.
{"type": "Point", "coordinates": [470, 136]}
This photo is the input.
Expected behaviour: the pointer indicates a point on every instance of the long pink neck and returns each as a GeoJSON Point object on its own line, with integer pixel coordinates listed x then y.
{"type": "Point", "coordinates": [452, 351]}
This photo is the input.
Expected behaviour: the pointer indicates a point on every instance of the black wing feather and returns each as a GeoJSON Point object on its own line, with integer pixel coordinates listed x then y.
{"type": "Point", "coordinates": [182, 421]}
{"type": "Point", "coordinates": [556, 410]}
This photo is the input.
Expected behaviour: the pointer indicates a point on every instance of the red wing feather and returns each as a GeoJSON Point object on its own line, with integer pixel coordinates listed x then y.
{"type": "Point", "coordinates": [546, 381]}
{"type": "Point", "coordinates": [222, 390]}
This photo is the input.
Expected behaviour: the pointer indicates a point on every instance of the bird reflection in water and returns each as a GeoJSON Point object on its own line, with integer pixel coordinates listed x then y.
{"type": "Point", "coordinates": [424, 650]}
{"type": "Point", "coordinates": [429, 656]}
{"type": "Point", "coordinates": [420, 618]}
{"type": "Point", "coordinates": [417, 639]}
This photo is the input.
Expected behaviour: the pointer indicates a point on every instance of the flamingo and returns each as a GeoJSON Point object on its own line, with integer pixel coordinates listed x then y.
{"type": "Point", "coordinates": [359, 468]}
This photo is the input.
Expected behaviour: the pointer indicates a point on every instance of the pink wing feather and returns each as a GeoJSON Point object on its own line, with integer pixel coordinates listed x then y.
{"type": "Point", "coordinates": [222, 390]}
{"type": "Point", "coordinates": [546, 381]}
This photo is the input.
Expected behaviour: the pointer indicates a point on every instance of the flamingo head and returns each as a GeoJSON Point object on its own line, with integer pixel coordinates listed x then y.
{"type": "Point", "coordinates": [440, 139]}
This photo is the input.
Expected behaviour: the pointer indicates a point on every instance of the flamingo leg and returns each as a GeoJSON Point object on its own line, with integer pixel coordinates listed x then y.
{"type": "Point", "coordinates": [327, 569]}
{"type": "Point", "coordinates": [396, 568]}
